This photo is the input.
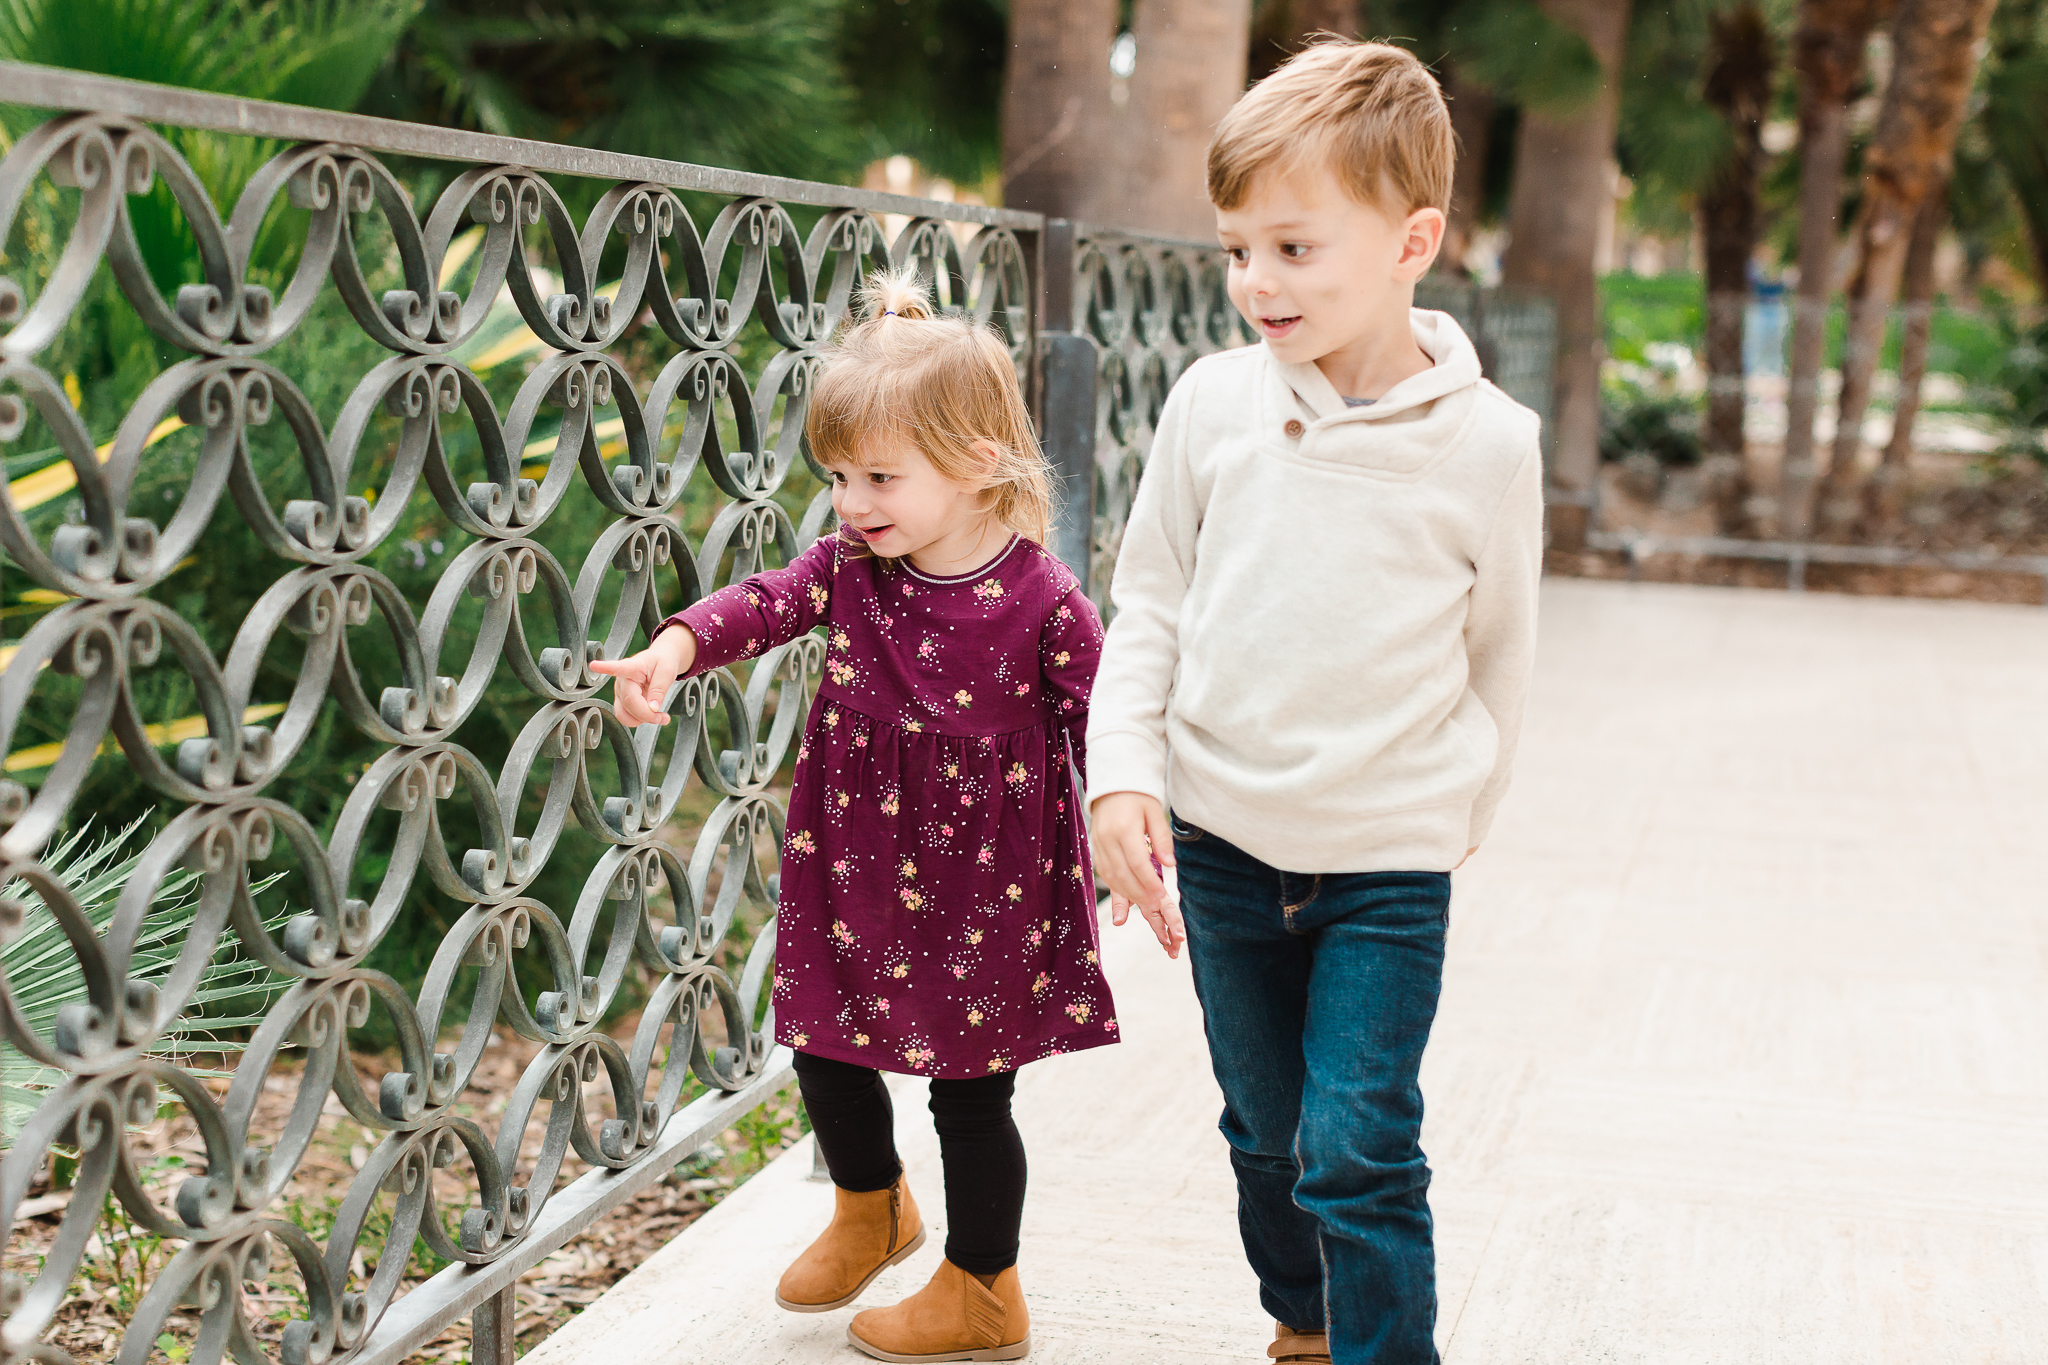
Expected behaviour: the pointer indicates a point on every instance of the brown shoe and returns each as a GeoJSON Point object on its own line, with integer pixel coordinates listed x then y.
{"type": "Point", "coordinates": [1292, 1347]}
{"type": "Point", "coordinates": [869, 1232]}
{"type": "Point", "coordinates": [955, 1317]}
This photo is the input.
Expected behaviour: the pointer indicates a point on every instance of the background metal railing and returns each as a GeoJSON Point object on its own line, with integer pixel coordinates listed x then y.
{"type": "Point", "coordinates": [425, 424]}
{"type": "Point", "coordinates": [1126, 313]}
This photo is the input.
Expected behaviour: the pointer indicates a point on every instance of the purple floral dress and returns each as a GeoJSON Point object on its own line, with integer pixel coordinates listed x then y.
{"type": "Point", "coordinates": [938, 906]}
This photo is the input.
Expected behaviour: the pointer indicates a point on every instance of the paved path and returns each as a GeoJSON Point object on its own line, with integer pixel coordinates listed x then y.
{"type": "Point", "coordinates": [1743, 1053]}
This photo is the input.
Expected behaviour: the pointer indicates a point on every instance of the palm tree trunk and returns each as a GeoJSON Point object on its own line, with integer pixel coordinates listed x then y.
{"type": "Point", "coordinates": [1191, 69]}
{"type": "Point", "coordinates": [1281, 28]}
{"type": "Point", "coordinates": [1056, 106]}
{"type": "Point", "coordinates": [1563, 190]}
{"type": "Point", "coordinates": [1472, 109]}
{"type": "Point", "coordinates": [1885, 496]}
{"type": "Point", "coordinates": [1326, 16]}
{"type": "Point", "coordinates": [1828, 53]}
{"type": "Point", "coordinates": [1738, 86]}
{"type": "Point", "coordinates": [1935, 49]}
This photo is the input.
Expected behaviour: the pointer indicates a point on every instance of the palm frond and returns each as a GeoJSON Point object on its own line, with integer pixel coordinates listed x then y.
{"type": "Point", "coordinates": [1522, 54]}
{"type": "Point", "coordinates": [43, 974]}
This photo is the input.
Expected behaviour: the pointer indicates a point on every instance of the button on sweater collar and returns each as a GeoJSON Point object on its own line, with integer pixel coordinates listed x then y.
{"type": "Point", "coordinates": [1455, 365]}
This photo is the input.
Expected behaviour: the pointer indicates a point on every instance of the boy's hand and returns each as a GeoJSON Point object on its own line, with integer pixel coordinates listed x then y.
{"type": "Point", "coordinates": [641, 682]}
{"type": "Point", "coordinates": [1134, 852]}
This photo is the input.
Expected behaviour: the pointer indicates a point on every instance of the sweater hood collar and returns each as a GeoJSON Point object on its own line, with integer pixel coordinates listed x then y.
{"type": "Point", "coordinates": [1454, 365]}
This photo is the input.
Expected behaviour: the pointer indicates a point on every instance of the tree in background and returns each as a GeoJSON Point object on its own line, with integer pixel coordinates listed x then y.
{"type": "Point", "coordinates": [1741, 58]}
{"type": "Point", "coordinates": [1562, 190]}
{"type": "Point", "coordinates": [1190, 70]}
{"type": "Point", "coordinates": [1827, 52]}
{"type": "Point", "coordinates": [322, 53]}
{"type": "Point", "coordinates": [1281, 28]}
{"type": "Point", "coordinates": [1699, 82]}
{"type": "Point", "coordinates": [1056, 104]}
{"type": "Point", "coordinates": [926, 77]}
{"type": "Point", "coordinates": [2015, 116]}
{"type": "Point", "coordinates": [1491, 57]}
{"type": "Point", "coordinates": [751, 84]}
{"type": "Point", "coordinates": [1935, 48]}
{"type": "Point", "coordinates": [1080, 141]}
{"type": "Point", "coordinates": [1882, 500]}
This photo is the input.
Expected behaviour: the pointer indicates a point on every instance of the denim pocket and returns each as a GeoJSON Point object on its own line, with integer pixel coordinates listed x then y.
{"type": "Point", "coordinates": [1183, 832]}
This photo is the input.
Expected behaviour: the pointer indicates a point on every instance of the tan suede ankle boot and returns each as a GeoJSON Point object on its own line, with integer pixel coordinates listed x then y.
{"type": "Point", "coordinates": [1292, 1346]}
{"type": "Point", "coordinates": [955, 1317]}
{"type": "Point", "coordinates": [869, 1232]}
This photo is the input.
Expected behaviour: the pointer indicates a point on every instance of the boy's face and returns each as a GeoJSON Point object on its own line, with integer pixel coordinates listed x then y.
{"type": "Point", "coordinates": [1315, 271]}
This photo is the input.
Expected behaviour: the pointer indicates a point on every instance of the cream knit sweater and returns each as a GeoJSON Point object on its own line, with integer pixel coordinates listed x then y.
{"type": "Point", "coordinates": [1326, 614]}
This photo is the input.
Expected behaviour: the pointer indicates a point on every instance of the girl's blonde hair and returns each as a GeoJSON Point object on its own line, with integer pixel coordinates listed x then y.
{"type": "Point", "coordinates": [904, 375]}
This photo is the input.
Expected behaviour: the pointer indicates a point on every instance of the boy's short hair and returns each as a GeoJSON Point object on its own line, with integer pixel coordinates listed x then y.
{"type": "Point", "coordinates": [1370, 111]}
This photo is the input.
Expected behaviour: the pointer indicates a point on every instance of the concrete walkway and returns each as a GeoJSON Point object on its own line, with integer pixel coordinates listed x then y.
{"type": "Point", "coordinates": [1743, 1053]}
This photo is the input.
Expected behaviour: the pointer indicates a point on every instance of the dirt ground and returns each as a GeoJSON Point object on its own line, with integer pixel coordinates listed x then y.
{"type": "Point", "coordinates": [1951, 503]}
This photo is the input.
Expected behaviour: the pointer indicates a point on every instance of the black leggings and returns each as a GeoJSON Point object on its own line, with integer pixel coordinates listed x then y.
{"type": "Point", "coordinates": [978, 1143]}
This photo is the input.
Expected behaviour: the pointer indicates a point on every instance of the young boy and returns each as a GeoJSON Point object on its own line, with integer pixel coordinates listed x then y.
{"type": "Point", "coordinates": [1326, 608]}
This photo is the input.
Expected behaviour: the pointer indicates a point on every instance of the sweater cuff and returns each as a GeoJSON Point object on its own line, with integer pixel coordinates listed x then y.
{"type": "Point", "coordinates": [1126, 763]}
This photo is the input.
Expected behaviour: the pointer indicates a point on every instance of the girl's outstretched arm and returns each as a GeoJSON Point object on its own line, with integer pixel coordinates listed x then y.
{"type": "Point", "coordinates": [755, 615]}
{"type": "Point", "coordinates": [738, 622]}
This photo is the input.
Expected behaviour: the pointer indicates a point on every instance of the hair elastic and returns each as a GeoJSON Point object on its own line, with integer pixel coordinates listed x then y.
{"type": "Point", "coordinates": [888, 312]}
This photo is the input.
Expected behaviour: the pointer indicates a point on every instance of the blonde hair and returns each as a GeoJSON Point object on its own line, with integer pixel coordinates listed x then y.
{"type": "Point", "coordinates": [1371, 112]}
{"type": "Point", "coordinates": [903, 374]}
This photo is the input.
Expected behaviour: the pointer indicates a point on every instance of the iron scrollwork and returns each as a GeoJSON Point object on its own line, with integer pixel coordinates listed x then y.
{"type": "Point", "coordinates": [1153, 307]}
{"type": "Point", "coordinates": [548, 972]}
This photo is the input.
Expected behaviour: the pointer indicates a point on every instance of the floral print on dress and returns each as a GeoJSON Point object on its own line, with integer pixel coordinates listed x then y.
{"type": "Point", "coordinates": [937, 913]}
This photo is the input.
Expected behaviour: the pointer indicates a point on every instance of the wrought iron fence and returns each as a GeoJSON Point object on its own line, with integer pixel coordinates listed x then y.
{"type": "Point", "coordinates": [1515, 335]}
{"type": "Point", "coordinates": [646, 450]}
{"type": "Point", "coordinates": [432, 543]}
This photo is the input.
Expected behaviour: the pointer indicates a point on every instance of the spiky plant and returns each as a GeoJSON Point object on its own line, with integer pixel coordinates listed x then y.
{"type": "Point", "coordinates": [44, 976]}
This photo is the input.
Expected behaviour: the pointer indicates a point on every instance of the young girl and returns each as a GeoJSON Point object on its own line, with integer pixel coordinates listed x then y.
{"type": "Point", "coordinates": [938, 906]}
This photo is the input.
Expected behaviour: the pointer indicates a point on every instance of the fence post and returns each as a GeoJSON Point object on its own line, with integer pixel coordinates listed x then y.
{"type": "Point", "coordinates": [1066, 402]}
{"type": "Point", "coordinates": [492, 1338]}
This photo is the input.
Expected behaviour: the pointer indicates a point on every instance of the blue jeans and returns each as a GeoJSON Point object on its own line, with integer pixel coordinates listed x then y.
{"type": "Point", "coordinates": [1317, 995]}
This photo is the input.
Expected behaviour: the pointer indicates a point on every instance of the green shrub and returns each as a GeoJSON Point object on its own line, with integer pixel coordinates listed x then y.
{"type": "Point", "coordinates": [2021, 387]}
{"type": "Point", "coordinates": [1637, 420]}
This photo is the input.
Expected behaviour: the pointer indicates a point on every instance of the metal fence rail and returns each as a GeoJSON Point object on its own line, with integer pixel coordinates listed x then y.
{"type": "Point", "coordinates": [1795, 555]}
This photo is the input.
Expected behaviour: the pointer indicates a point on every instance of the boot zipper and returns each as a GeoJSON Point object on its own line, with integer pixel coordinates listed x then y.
{"type": "Point", "coordinates": [895, 1213]}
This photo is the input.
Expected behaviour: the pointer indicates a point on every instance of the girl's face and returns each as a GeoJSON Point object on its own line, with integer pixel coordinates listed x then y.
{"type": "Point", "coordinates": [902, 506]}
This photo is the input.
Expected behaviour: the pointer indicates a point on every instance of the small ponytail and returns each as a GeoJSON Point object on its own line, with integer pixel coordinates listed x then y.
{"type": "Point", "coordinates": [898, 295]}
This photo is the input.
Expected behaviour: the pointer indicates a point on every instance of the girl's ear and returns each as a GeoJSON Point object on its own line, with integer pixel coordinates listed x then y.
{"type": "Point", "coordinates": [989, 457]}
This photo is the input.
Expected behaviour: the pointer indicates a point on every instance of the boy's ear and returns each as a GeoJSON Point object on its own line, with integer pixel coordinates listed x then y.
{"type": "Point", "coordinates": [1422, 236]}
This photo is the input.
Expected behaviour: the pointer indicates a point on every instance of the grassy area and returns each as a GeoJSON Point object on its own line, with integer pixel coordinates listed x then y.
{"type": "Point", "coordinates": [1640, 310]}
